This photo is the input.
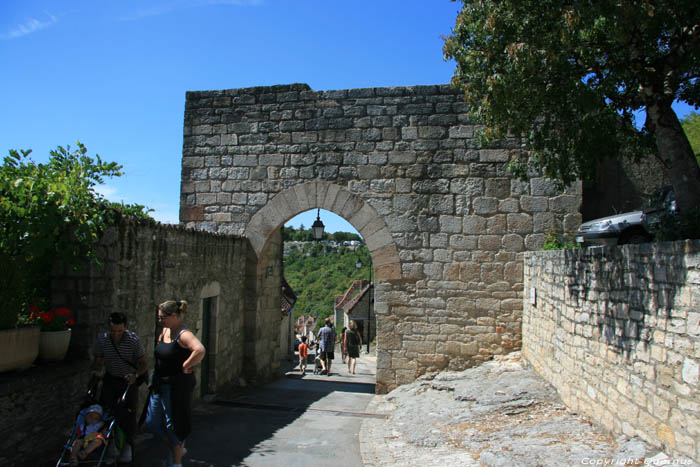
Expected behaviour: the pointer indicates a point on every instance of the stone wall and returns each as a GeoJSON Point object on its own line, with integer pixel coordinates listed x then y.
{"type": "Point", "coordinates": [617, 332]}
{"type": "Point", "coordinates": [444, 222]}
{"type": "Point", "coordinates": [144, 265]}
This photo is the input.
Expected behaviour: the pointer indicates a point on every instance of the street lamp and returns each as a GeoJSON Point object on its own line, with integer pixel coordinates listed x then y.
{"type": "Point", "coordinates": [358, 265]}
{"type": "Point", "coordinates": [318, 226]}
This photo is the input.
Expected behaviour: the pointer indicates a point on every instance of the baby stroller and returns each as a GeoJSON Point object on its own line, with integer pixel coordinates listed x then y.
{"type": "Point", "coordinates": [108, 432]}
{"type": "Point", "coordinates": [318, 368]}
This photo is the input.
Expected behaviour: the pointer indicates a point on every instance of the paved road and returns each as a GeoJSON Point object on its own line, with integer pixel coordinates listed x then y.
{"type": "Point", "coordinates": [294, 421]}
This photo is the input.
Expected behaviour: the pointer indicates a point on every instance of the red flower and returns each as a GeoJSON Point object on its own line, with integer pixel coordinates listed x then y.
{"type": "Point", "coordinates": [46, 316]}
{"type": "Point", "coordinates": [70, 322]}
{"type": "Point", "coordinates": [32, 309]}
{"type": "Point", "coordinates": [62, 312]}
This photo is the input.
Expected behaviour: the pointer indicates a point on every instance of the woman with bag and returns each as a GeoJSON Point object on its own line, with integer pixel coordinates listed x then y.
{"type": "Point", "coordinates": [352, 341]}
{"type": "Point", "coordinates": [177, 351]}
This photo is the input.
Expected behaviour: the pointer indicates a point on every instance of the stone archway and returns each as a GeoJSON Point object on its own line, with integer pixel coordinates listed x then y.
{"type": "Point", "coordinates": [266, 223]}
{"type": "Point", "coordinates": [445, 223]}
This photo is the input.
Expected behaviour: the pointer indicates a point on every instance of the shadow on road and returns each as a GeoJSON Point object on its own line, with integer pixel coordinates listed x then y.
{"type": "Point", "coordinates": [285, 421]}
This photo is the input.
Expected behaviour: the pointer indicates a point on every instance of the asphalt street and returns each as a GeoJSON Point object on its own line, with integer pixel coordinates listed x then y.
{"type": "Point", "coordinates": [312, 420]}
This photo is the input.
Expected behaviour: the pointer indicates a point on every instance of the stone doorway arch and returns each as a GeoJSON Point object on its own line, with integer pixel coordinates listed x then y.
{"type": "Point", "coordinates": [446, 225]}
{"type": "Point", "coordinates": [264, 227]}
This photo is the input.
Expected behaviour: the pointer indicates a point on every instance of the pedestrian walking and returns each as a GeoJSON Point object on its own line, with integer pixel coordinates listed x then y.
{"type": "Point", "coordinates": [177, 352]}
{"type": "Point", "coordinates": [343, 347]}
{"type": "Point", "coordinates": [303, 355]}
{"type": "Point", "coordinates": [326, 338]}
{"type": "Point", "coordinates": [353, 342]}
{"type": "Point", "coordinates": [121, 353]}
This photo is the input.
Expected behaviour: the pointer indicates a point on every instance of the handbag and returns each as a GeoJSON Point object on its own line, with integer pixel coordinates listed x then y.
{"type": "Point", "coordinates": [140, 379]}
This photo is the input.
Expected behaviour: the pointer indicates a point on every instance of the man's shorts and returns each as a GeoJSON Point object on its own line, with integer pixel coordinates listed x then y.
{"type": "Point", "coordinates": [325, 356]}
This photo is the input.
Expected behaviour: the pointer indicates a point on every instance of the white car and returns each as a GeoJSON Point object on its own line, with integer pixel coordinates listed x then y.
{"type": "Point", "coordinates": [628, 227]}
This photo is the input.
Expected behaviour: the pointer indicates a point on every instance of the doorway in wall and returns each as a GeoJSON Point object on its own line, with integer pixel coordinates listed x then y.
{"type": "Point", "coordinates": [208, 375]}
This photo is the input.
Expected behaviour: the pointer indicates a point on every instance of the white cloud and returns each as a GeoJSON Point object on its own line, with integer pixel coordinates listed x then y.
{"type": "Point", "coordinates": [29, 27]}
{"type": "Point", "coordinates": [107, 191]}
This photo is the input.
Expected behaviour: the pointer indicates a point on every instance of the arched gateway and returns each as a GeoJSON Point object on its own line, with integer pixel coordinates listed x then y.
{"type": "Point", "coordinates": [445, 224]}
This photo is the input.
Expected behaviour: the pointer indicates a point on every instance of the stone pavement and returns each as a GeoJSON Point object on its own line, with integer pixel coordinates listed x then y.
{"type": "Point", "coordinates": [306, 421]}
{"type": "Point", "coordinates": [500, 413]}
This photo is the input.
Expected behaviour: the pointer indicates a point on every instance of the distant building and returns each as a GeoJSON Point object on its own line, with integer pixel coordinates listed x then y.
{"type": "Point", "coordinates": [305, 326]}
{"type": "Point", "coordinates": [357, 305]}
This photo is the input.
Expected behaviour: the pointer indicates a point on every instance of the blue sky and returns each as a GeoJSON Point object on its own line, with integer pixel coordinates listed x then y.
{"type": "Point", "coordinates": [113, 74]}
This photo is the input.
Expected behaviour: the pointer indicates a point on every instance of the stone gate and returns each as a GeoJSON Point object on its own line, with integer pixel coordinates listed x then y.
{"type": "Point", "coordinates": [445, 224]}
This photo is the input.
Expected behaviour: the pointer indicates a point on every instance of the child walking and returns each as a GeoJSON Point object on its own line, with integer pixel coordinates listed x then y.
{"type": "Point", "coordinates": [303, 355]}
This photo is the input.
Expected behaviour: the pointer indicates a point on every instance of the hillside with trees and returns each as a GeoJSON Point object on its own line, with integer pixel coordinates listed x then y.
{"type": "Point", "coordinates": [691, 126]}
{"type": "Point", "coordinates": [319, 271]}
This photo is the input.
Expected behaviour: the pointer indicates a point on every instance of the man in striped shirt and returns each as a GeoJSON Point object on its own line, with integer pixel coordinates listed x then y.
{"type": "Point", "coordinates": [121, 353]}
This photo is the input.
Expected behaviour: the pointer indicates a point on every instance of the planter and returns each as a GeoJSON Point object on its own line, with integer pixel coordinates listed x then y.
{"type": "Point", "coordinates": [53, 345]}
{"type": "Point", "coordinates": [18, 348]}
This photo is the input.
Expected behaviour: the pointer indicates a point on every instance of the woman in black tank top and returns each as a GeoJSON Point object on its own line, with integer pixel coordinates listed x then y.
{"type": "Point", "coordinates": [177, 352]}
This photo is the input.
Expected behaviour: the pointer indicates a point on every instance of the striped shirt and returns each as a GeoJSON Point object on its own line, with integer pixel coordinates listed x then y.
{"type": "Point", "coordinates": [130, 349]}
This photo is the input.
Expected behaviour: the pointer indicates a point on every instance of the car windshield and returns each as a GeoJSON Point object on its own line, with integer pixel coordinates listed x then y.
{"type": "Point", "coordinates": [660, 199]}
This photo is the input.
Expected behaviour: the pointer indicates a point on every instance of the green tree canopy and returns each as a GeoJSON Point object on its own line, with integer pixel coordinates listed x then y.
{"type": "Point", "coordinates": [567, 77]}
{"type": "Point", "coordinates": [49, 212]}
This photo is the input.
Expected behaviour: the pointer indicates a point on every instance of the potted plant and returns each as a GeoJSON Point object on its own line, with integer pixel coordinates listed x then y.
{"type": "Point", "coordinates": [54, 338]}
{"type": "Point", "coordinates": [20, 340]}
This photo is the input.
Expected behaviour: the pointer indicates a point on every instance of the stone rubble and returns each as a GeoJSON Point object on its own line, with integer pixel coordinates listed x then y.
{"type": "Point", "coordinates": [500, 413]}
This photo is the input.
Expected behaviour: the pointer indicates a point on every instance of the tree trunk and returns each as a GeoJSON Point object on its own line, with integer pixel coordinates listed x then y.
{"type": "Point", "coordinates": [676, 153]}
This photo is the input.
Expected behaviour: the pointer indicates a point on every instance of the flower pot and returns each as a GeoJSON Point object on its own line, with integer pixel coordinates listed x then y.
{"type": "Point", "coordinates": [18, 347]}
{"type": "Point", "coordinates": [53, 345]}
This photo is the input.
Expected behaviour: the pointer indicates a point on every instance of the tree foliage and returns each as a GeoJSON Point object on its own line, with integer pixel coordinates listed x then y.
{"type": "Point", "coordinates": [565, 78]}
{"type": "Point", "coordinates": [691, 127]}
{"type": "Point", "coordinates": [555, 240]}
{"type": "Point", "coordinates": [290, 234]}
{"type": "Point", "coordinates": [50, 212]}
{"type": "Point", "coordinates": [318, 273]}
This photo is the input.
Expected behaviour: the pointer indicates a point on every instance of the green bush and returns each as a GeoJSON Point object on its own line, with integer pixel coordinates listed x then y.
{"type": "Point", "coordinates": [554, 240]}
{"type": "Point", "coordinates": [50, 212]}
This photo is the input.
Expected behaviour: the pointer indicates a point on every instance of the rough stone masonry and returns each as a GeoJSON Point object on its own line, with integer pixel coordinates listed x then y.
{"type": "Point", "coordinates": [445, 223]}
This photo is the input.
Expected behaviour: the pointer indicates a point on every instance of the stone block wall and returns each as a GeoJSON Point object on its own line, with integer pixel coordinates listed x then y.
{"type": "Point", "coordinates": [444, 222]}
{"type": "Point", "coordinates": [143, 265]}
{"type": "Point", "coordinates": [617, 332]}
{"type": "Point", "coordinates": [147, 264]}
{"type": "Point", "coordinates": [262, 351]}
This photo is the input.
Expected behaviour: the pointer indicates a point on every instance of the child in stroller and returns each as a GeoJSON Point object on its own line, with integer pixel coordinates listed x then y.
{"type": "Point", "coordinates": [89, 434]}
{"type": "Point", "coordinates": [94, 431]}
